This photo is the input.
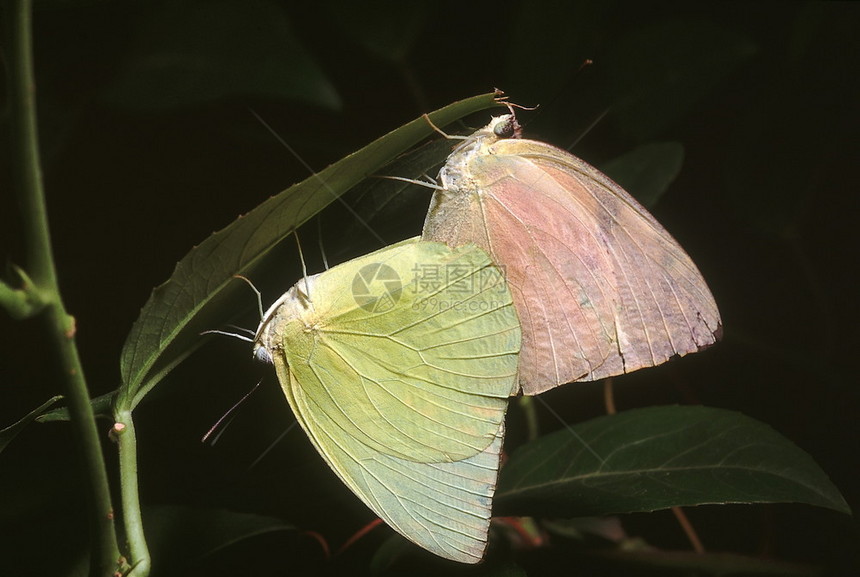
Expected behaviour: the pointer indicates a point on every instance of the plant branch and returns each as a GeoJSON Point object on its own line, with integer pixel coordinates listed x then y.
{"type": "Point", "coordinates": [27, 169]}
{"type": "Point", "coordinates": [39, 264]}
{"type": "Point", "coordinates": [124, 433]}
{"type": "Point", "coordinates": [23, 302]}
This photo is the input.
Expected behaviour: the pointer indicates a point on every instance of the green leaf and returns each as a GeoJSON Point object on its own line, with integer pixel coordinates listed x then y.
{"type": "Point", "coordinates": [659, 457]}
{"type": "Point", "coordinates": [191, 52]}
{"type": "Point", "coordinates": [195, 297]}
{"type": "Point", "coordinates": [647, 171]}
{"type": "Point", "coordinates": [101, 407]}
{"type": "Point", "coordinates": [388, 206]}
{"type": "Point", "coordinates": [10, 432]}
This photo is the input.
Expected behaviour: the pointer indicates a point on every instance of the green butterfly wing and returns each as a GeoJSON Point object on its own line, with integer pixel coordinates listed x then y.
{"type": "Point", "coordinates": [399, 365]}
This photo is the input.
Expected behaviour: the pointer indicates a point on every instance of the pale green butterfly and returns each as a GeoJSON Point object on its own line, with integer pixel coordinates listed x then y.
{"type": "Point", "coordinates": [399, 365]}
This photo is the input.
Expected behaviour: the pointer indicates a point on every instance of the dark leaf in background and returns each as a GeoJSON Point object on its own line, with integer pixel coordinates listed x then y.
{"type": "Point", "coordinates": [394, 209]}
{"type": "Point", "coordinates": [387, 30]}
{"type": "Point", "coordinates": [188, 53]}
{"type": "Point", "coordinates": [660, 457]}
{"type": "Point", "coordinates": [183, 537]}
{"type": "Point", "coordinates": [8, 434]}
{"type": "Point", "coordinates": [647, 171]}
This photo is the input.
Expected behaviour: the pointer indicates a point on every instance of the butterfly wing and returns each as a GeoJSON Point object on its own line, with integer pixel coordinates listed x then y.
{"type": "Point", "coordinates": [444, 507]}
{"type": "Point", "coordinates": [406, 401]}
{"type": "Point", "coordinates": [600, 287]}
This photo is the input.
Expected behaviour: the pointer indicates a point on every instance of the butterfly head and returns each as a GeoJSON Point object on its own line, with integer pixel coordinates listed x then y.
{"type": "Point", "coordinates": [292, 305]}
{"type": "Point", "coordinates": [261, 353]}
{"type": "Point", "coordinates": [506, 126]}
{"type": "Point", "coordinates": [455, 174]}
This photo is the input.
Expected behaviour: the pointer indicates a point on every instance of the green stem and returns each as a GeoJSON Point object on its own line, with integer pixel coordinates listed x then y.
{"type": "Point", "coordinates": [105, 553]}
{"type": "Point", "coordinates": [39, 264]}
{"type": "Point", "coordinates": [127, 439]}
{"type": "Point", "coordinates": [23, 302]}
{"type": "Point", "coordinates": [27, 168]}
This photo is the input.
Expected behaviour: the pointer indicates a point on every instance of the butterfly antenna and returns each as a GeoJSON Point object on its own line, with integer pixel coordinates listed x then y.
{"type": "Point", "coordinates": [431, 185]}
{"type": "Point", "coordinates": [256, 292]}
{"type": "Point", "coordinates": [247, 331]}
{"type": "Point", "coordinates": [515, 126]}
{"type": "Point", "coordinates": [229, 413]}
{"type": "Point", "coordinates": [272, 445]}
{"type": "Point", "coordinates": [589, 128]}
{"type": "Point", "coordinates": [248, 337]}
{"type": "Point", "coordinates": [318, 177]}
{"type": "Point", "coordinates": [306, 292]}
{"type": "Point", "coordinates": [426, 117]}
{"type": "Point", "coordinates": [241, 337]}
{"type": "Point", "coordinates": [572, 431]}
{"type": "Point", "coordinates": [322, 247]}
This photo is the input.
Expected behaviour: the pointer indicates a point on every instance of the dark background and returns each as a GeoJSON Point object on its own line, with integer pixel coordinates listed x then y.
{"type": "Point", "coordinates": [149, 144]}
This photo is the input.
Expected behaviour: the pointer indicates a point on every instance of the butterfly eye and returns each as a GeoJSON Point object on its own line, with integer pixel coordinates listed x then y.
{"type": "Point", "coordinates": [262, 354]}
{"type": "Point", "coordinates": [508, 128]}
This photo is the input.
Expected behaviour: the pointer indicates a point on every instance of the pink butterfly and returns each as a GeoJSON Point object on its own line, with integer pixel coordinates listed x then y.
{"type": "Point", "coordinates": [600, 287]}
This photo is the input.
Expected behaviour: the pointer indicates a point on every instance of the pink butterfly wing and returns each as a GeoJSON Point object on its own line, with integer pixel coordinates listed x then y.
{"type": "Point", "coordinates": [600, 287]}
